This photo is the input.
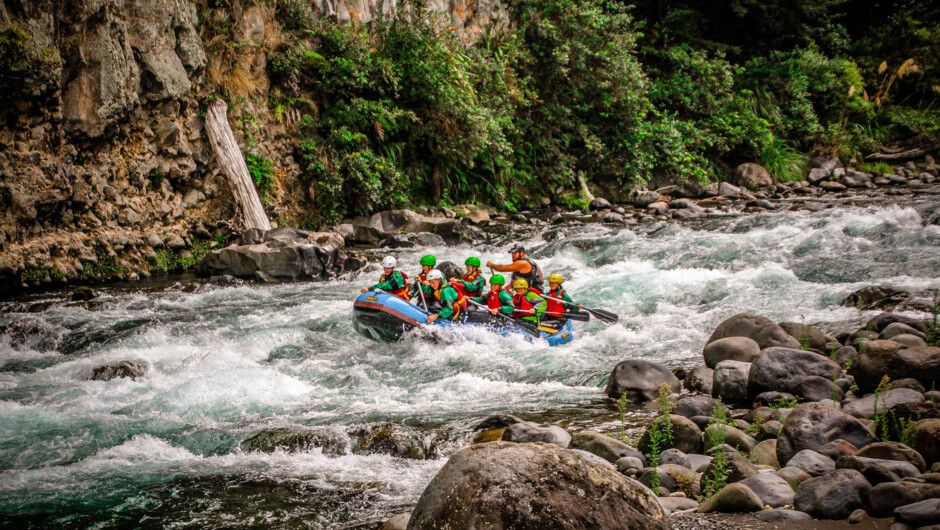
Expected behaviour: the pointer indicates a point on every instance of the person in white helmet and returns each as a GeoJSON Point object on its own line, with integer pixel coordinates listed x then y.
{"type": "Point", "coordinates": [392, 281]}
{"type": "Point", "coordinates": [452, 303]}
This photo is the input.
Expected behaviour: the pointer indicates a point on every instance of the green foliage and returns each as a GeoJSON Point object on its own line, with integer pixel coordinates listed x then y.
{"type": "Point", "coordinates": [782, 403]}
{"type": "Point", "coordinates": [660, 431]}
{"type": "Point", "coordinates": [168, 262]}
{"type": "Point", "coordinates": [713, 482]}
{"type": "Point", "coordinates": [262, 174]}
{"type": "Point", "coordinates": [622, 411]}
{"type": "Point", "coordinates": [103, 267]}
{"type": "Point", "coordinates": [880, 418]}
{"type": "Point", "coordinates": [35, 274]}
{"type": "Point", "coordinates": [932, 328]}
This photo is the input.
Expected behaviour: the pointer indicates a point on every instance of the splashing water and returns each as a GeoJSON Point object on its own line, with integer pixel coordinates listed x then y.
{"type": "Point", "coordinates": [225, 363]}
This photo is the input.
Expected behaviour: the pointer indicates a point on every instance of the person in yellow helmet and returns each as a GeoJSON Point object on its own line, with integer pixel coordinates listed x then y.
{"type": "Point", "coordinates": [528, 304]}
{"type": "Point", "coordinates": [554, 308]}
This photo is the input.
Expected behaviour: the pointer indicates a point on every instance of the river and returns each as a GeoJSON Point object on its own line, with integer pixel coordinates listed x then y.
{"type": "Point", "coordinates": [227, 362]}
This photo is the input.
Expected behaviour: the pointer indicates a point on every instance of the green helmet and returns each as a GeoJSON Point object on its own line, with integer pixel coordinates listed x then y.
{"type": "Point", "coordinates": [498, 279]}
{"type": "Point", "coordinates": [430, 261]}
{"type": "Point", "coordinates": [472, 261]}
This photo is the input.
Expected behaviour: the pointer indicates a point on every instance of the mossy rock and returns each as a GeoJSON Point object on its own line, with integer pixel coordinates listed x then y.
{"type": "Point", "coordinates": [331, 442]}
{"type": "Point", "coordinates": [83, 293]}
{"type": "Point", "coordinates": [394, 440]}
{"type": "Point", "coordinates": [489, 435]}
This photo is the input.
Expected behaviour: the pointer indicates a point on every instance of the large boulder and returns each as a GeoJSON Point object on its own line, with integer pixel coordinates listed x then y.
{"type": "Point", "coordinates": [887, 496]}
{"type": "Point", "coordinates": [278, 258]}
{"type": "Point", "coordinates": [765, 332]}
{"type": "Point", "coordinates": [502, 485]}
{"type": "Point", "coordinates": [919, 514]}
{"type": "Point", "coordinates": [752, 176]}
{"type": "Point", "coordinates": [833, 496]}
{"type": "Point", "coordinates": [604, 446]}
{"type": "Point", "coordinates": [523, 432]}
{"type": "Point", "coordinates": [331, 442]}
{"type": "Point", "coordinates": [736, 467]}
{"type": "Point", "coordinates": [639, 380]}
{"type": "Point", "coordinates": [893, 451]}
{"type": "Point", "coordinates": [814, 463]}
{"type": "Point", "coordinates": [733, 498]}
{"type": "Point", "coordinates": [730, 349]}
{"type": "Point", "coordinates": [731, 435]}
{"type": "Point", "coordinates": [673, 478]}
{"type": "Point", "coordinates": [772, 489]}
{"type": "Point", "coordinates": [877, 470]}
{"type": "Point", "coordinates": [784, 369]}
{"type": "Point", "coordinates": [865, 407]}
{"type": "Point", "coordinates": [765, 454]}
{"type": "Point", "coordinates": [813, 425]}
{"type": "Point", "coordinates": [876, 297]}
{"type": "Point", "coordinates": [130, 369]}
{"type": "Point", "coordinates": [690, 406]}
{"type": "Point", "coordinates": [731, 381]}
{"type": "Point", "coordinates": [392, 439]}
{"type": "Point", "coordinates": [686, 436]}
{"type": "Point", "coordinates": [878, 358]}
{"type": "Point", "coordinates": [806, 334]}
{"type": "Point", "coordinates": [927, 439]}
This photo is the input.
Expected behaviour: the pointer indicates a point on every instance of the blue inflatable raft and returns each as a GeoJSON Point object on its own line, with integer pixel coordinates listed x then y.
{"type": "Point", "coordinates": [385, 317]}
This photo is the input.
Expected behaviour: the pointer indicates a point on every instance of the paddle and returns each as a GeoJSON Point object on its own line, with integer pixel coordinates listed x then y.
{"type": "Point", "coordinates": [531, 327]}
{"type": "Point", "coordinates": [600, 314]}
{"type": "Point", "coordinates": [573, 315]}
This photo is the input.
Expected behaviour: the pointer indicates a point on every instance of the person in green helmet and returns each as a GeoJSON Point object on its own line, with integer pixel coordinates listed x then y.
{"type": "Point", "coordinates": [472, 283]}
{"type": "Point", "coordinates": [498, 300]}
{"type": "Point", "coordinates": [421, 286]}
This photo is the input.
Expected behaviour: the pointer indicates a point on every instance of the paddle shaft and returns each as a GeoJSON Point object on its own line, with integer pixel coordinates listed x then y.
{"type": "Point", "coordinates": [604, 316]}
{"type": "Point", "coordinates": [519, 323]}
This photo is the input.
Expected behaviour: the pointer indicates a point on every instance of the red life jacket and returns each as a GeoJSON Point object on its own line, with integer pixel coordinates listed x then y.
{"type": "Point", "coordinates": [470, 278]}
{"type": "Point", "coordinates": [552, 306]}
{"type": "Point", "coordinates": [423, 277]}
{"type": "Point", "coordinates": [492, 300]}
{"type": "Point", "coordinates": [403, 291]}
{"type": "Point", "coordinates": [522, 304]}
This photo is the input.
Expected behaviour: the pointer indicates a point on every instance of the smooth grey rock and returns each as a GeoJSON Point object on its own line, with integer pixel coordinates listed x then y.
{"type": "Point", "coordinates": [765, 454]}
{"type": "Point", "coordinates": [857, 516]}
{"type": "Point", "coordinates": [686, 436]}
{"type": "Point", "coordinates": [733, 498]}
{"type": "Point", "coordinates": [674, 456]}
{"type": "Point", "coordinates": [894, 329]}
{"type": "Point", "coordinates": [398, 522]}
{"type": "Point", "coordinates": [784, 369]}
{"type": "Point", "coordinates": [731, 381]}
{"type": "Point", "coordinates": [909, 340]}
{"type": "Point", "coordinates": [732, 436]}
{"type": "Point", "coordinates": [923, 513]}
{"type": "Point", "coordinates": [812, 425]}
{"type": "Point", "coordinates": [877, 471]}
{"type": "Point", "coordinates": [887, 496]}
{"type": "Point", "coordinates": [689, 406]}
{"type": "Point", "coordinates": [604, 446]}
{"type": "Point", "coordinates": [699, 379]}
{"type": "Point", "coordinates": [742, 349]}
{"type": "Point", "coordinates": [678, 504]}
{"type": "Point", "coordinates": [865, 407]}
{"type": "Point", "coordinates": [671, 477]}
{"type": "Point", "coordinates": [628, 463]}
{"type": "Point", "coordinates": [836, 449]}
{"type": "Point", "coordinates": [812, 462]}
{"type": "Point", "coordinates": [739, 468]}
{"type": "Point", "coordinates": [780, 515]}
{"type": "Point", "coordinates": [833, 496]}
{"type": "Point", "coordinates": [639, 380]}
{"type": "Point", "coordinates": [794, 476]}
{"type": "Point", "coordinates": [898, 361]}
{"type": "Point", "coordinates": [761, 329]}
{"type": "Point", "coordinates": [772, 489]}
{"type": "Point", "coordinates": [894, 451]}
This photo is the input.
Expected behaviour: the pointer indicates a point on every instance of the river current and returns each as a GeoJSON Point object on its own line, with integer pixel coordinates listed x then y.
{"type": "Point", "coordinates": [224, 363]}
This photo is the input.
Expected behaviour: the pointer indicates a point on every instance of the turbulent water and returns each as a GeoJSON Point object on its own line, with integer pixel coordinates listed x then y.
{"type": "Point", "coordinates": [227, 362]}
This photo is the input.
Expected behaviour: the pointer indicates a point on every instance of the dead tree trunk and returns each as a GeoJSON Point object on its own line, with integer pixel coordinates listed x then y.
{"type": "Point", "coordinates": [233, 165]}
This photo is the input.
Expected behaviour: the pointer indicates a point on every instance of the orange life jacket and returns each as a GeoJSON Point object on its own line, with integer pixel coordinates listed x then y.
{"type": "Point", "coordinates": [459, 305]}
{"type": "Point", "coordinates": [401, 292]}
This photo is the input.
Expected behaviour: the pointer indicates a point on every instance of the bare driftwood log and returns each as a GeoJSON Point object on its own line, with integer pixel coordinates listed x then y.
{"type": "Point", "coordinates": [902, 155]}
{"type": "Point", "coordinates": [233, 165]}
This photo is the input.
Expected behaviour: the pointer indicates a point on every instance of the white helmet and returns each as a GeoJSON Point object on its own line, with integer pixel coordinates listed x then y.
{"type": "Point", "coordinates": [389, 262]}
{"type": "Point", "coordinates": [435, 275]}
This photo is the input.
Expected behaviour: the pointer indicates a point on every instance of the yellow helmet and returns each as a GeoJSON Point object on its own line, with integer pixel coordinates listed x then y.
{"type": "Point", "coordinates": [520, 283]}
{"type": "Point", "coordinates": [555, 278]}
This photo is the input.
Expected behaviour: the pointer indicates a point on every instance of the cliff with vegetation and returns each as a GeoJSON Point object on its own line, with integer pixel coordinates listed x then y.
{"type": "Point", "coordinates": [346, 108]}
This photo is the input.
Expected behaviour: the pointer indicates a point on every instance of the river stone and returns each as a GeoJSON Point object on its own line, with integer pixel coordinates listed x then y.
{"type": "Point", "coordinates": [876, 297]}
{"type": "Point", "coordinates": [699, 463]}
{"type": "Point", "coordinates": [752, 176]}
{"type": "Point", "coordinates": [726, 189]}
{"type": "Point", "coordinates": [761, 329]}
{"type": "Point", "coordinates": [865, 407]}
{"type": "Point", "coordinates": [772, 489]}
{"type": "Point", "coordinates": [604, 446]}
{"type": "Point", "coordinates": [845, 354]}
{"type": "Point", "coordinates": [885, 357]}
{"type": "Point", "coordinates": [769, 430]}
{"type": "Point", "coordinates": [678, 504]}
{"type": "Point", "coordinates": [812, 425]}
{"type": "Point", "coordinates": [780, 515]}
{"type": "Point", "coordinates": [893, 451]}
{"type": "Point", "coordinates": [599, 204]}
{"type": "Point", "coordinates": [911, 384]}
{"type": "Point", "coordinates": [733, 436]}
{"type": "Point", "coordinates": [673, 478]}
{"type": "Point", "coordinates": [919, 514]}
{"type": "Point", "coordinates": [815, 388]}
{"type": "Point", "coordinates": [894, 329]}
{"type": "Point", "coordinates": [836, 449]}
{"type": "Point", "coordinates": [628, 463]}
{"type": "Point", "coordinates": [639, 380]}
{"type": "Point", "coordinates": [765, 454]}
{"type": "Point", "coordinates": [642, 199]}
{"type": "Point", "coordinates": [793, 475]}
{"type": "Point", "coordinates": [739, 468]}
{"type": "Point", "coordinates": [829, 185]}
{"type": "Point", "coordinates": [83, 293]}
{"type": "Point", "coordinates": [689, 406]}
{"type": "Point", "coordinates": [805, 333]}
{"type": "Point", "coordinates": [699, 379]}
{"type": "Point", "coordinates": [927, 439]}
{"type": "Point", "coordinates": [331, 442]}
{"type": "Point", "coordinates": [812, 462]}
{"type": "Point", "coordinates": [686, 436]}
{"type": "Point", "coordinates": [783, 369]}
{"type": "Point", "coordinates": [733, 498]}
{"type": "Point", "coordinates": [674, 456]}
{"type": "Point", "coordinates": [877, 470]}
{"type": "Point", "coordinates": [730, 381]}
{"type": "Point", "coordinates": [591, 457]}
{"type": "Point", "coordinates": [524, 432]}
{"type": "Point", "coordinates": [131, 369]}
{"type": "Point", "coordinates": [880, 322]}
{"type": "Point", "coordinates": [741, 349]}
{"type": "Point", "coordinates": [497, 421]}
{"type": "Point", "coordinates": [833, 496]}
{"type": "Point", "coordinates": [855, 179]}
{"type": "Point", "coordinates": [772, 397]}
{"type": "Point", "coordinates": [391, 439]}
{"type": "Point", "coordinates": [503, 485]}
{"type": "Point", "coordinates": [910, 340]}
{"type": "Point", "coordinates": [887, 496]}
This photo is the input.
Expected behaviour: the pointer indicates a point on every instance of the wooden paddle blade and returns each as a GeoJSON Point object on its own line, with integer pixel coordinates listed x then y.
{"type": "Point", "coordinates": [603, 316]}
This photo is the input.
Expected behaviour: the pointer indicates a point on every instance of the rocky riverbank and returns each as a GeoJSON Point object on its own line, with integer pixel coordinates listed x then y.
{"type": "Point", "coordinates": [785, 421]}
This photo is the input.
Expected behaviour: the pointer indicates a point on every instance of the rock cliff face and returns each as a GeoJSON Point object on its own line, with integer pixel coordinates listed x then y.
{"type": "Point", "coordinates": [105, 170]}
